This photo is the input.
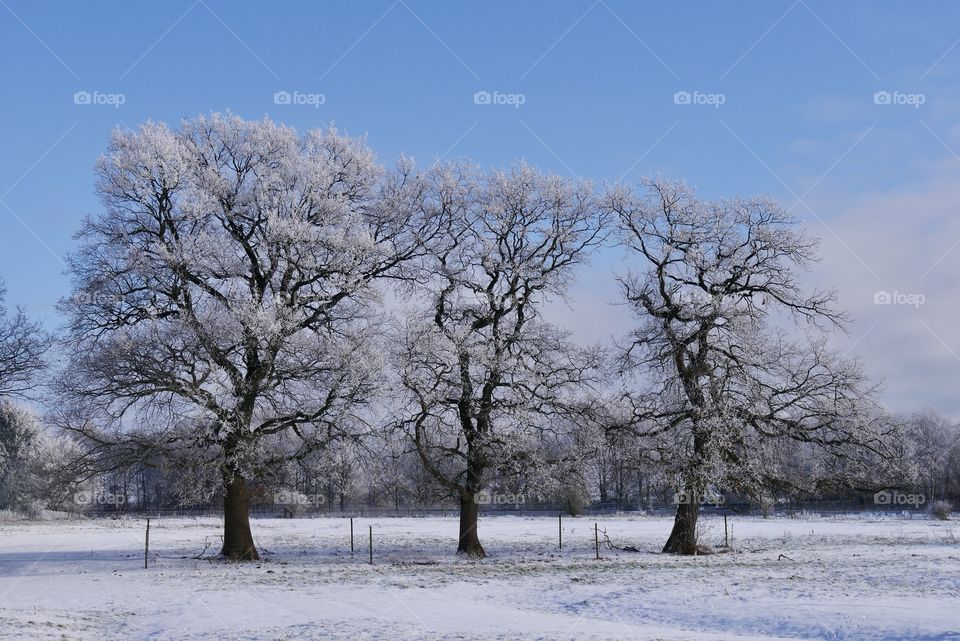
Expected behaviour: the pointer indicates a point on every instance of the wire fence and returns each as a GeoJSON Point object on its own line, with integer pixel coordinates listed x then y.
{"type": "Point", "coordinates": [541, 510]}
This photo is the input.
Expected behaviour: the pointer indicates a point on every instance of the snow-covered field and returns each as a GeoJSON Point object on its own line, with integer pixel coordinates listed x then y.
{"type": "Point", "coordinates": [814, 578]}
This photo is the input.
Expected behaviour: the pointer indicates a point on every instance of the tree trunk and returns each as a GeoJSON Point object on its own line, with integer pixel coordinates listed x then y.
{"type": "Point", "coordinates": [237, 539]}
{"type": "Point", "coordinates": [469, 543]}
{"type": "Point", "coordinates": [683, 537]}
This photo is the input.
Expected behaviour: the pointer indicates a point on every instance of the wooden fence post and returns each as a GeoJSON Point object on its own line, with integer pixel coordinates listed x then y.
{"type": "Point", "coordinates": [146, 545]}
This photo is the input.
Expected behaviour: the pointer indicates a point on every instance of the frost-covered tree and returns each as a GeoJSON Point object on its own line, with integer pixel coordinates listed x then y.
{"type": "Point", "coordinates": [395, 474]}
{"type": "Point", "coordinates": [27, 474]}
{"type": "Point", "coordinates": [32, 461]}
{"type": "Point", "coordinates": [154, 466]}
{"type": "Point", "coordinates": [480, 368]}
{"type": "Point", "coordinates": [730, 353]}
{"type": "Point", "coordinates": [338, 472]}
{"type": "Point", "coordinates": [933, 445]}
{"type": "Point", "coordinates": [18, 439]}
{"type": "Point", "coordinates": [23, 344]}
{"type": "Point", "coordinates": [227, 287]}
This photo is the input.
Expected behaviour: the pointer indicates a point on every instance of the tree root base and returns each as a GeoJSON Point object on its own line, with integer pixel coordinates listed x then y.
{"type": "Point", "coordinates": [242, 554]}
{"type": "Point", "coordinates": [472, 551]}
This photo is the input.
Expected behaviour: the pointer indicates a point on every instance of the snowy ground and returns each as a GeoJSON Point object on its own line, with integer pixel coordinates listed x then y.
{"type": "Point", "coordinates": [840, 578]}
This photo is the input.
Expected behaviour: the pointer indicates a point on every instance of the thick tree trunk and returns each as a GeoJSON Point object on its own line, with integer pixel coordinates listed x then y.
{"type": "Point", "coordinates": [237, 539]}
{"type": "Point", "coordinates": [469, 543]}
{"type": "Point", "coordinates": [683, 537]}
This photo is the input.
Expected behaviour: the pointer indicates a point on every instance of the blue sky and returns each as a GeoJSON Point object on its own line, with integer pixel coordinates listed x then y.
{"type": "Point", "coordinates": [597, 80]}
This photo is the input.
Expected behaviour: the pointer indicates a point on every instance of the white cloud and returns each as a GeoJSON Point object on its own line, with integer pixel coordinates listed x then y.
{"type": "Point", "coordinates": [904, 235]}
